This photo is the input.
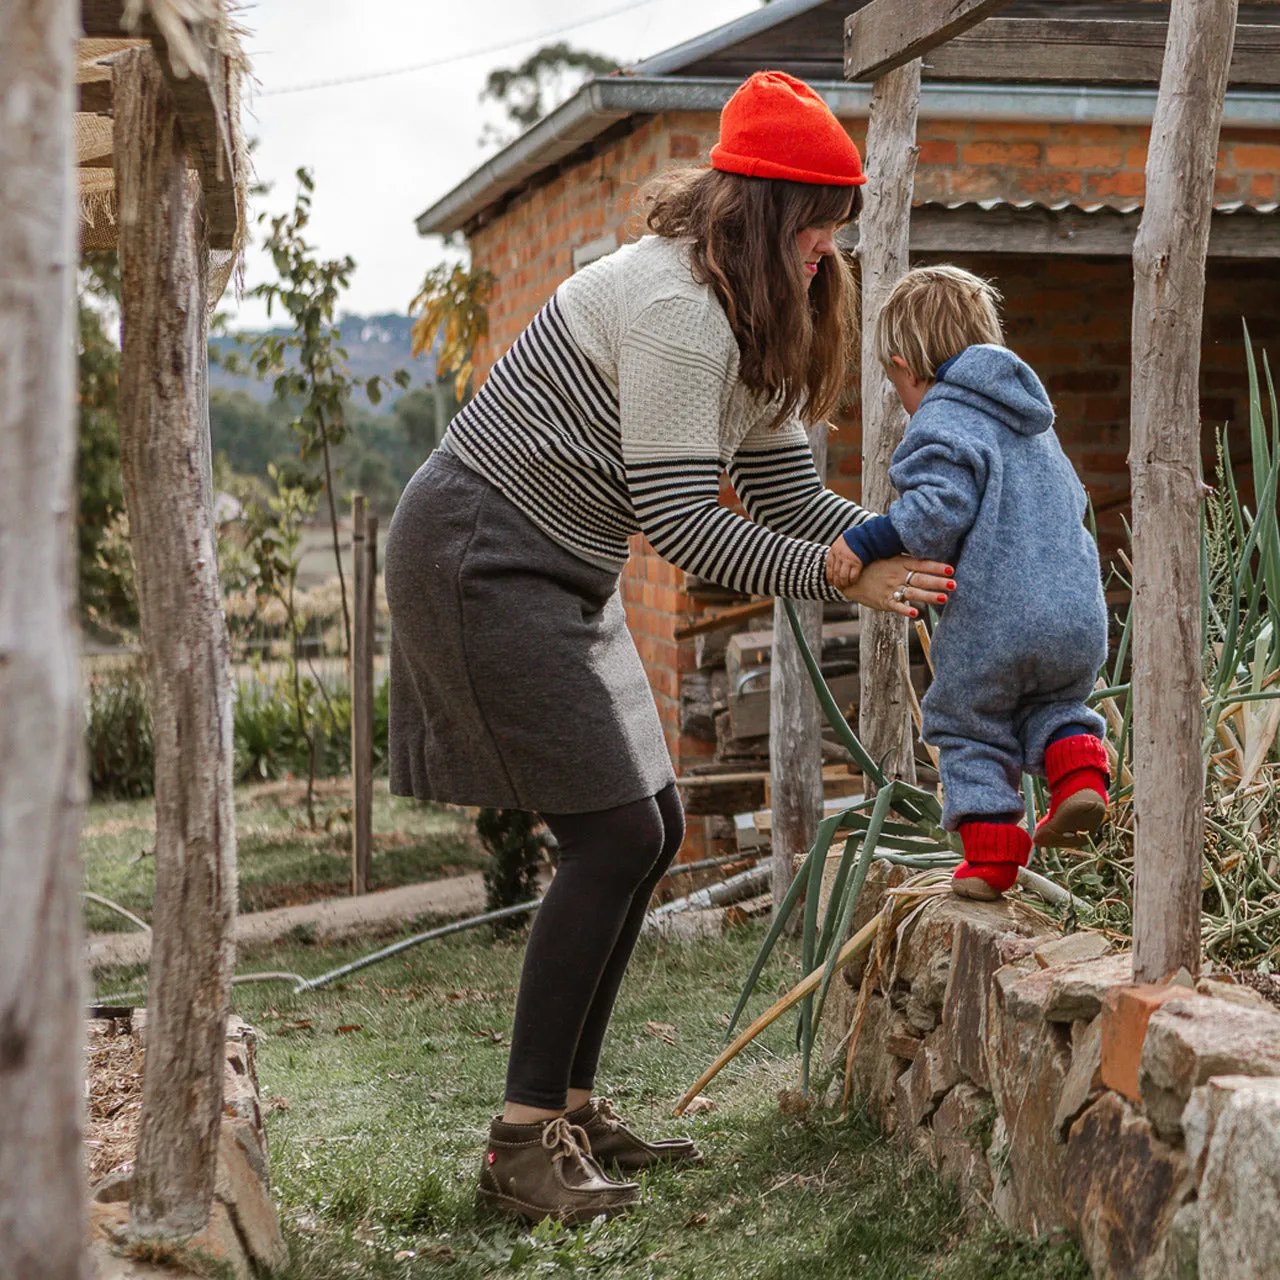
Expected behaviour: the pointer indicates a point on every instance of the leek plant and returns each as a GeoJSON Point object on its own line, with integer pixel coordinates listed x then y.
{"type": "Point", "coordinates": [1240, 617]}
{"type": "Point", "coordinates": [1241, 626]}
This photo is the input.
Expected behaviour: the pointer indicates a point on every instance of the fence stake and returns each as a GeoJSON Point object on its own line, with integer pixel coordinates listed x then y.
{"type": "Point", "coordinates": [361, 702]}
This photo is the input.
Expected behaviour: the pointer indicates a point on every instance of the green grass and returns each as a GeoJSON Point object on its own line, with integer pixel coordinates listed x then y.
{"type": "Point", "coordinates": [376, 1141]}
{"type": "Point", "coordinates": [281, 862]}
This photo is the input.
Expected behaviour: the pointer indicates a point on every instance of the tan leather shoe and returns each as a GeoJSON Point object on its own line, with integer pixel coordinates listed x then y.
{"type": "Point", "coordinates": [546, 1171]}
{"type": "Point", "coordinates": [613, 1144]}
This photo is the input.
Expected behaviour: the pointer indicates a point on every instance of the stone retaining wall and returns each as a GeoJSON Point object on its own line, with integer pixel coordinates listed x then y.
{"type": "Point", "coordinates": [243, 1231]}
{"type": "Point", "coordinates": [1025, 1064]}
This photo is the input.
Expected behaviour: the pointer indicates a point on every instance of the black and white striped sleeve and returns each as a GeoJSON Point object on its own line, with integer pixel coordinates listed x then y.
{"type": "Point", "coordinates": [780, 487]}
{"type": "Point", "coordinates": [672, 391]}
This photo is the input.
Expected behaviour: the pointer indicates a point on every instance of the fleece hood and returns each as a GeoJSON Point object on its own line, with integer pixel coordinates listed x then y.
{"type": "Point", "coordinates": [994, 380]}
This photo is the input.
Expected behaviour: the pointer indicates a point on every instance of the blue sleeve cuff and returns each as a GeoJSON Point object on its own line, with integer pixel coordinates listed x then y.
{"type": "Point", "coordinates": [874, 539]}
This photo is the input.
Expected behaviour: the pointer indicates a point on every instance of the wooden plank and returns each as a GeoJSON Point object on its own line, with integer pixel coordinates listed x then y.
{"type": "Point", "coordinates": [1087, 52]}
{"type": "Point", "coordinates": [1038, 230]}
{"type": "Point", "coordinates": [203, 109]}
{"type": "Point", "coordinates": [94, 96]}
{"type": "Point", "coordinates": [887, 34]}
{"type": "Point", "coordinates": [166, 464]}
{"type": "Point", "coordinates": [41, 768]}
{"type": "Point", "coordinates": [884, 709]}
{"type": "Point", "coordinates": [1164, 462]}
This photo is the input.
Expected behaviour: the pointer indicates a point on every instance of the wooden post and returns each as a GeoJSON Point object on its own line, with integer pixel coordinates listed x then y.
{"type": "Point", "coordinates": [361, 695]}
{"type": "Point", "coordinates": [164, 453]}
{"type": "Point", "coordinates": [1164, 460]}
{"type": "Point", "coordinates": [41, 780]}
{"type": "Point", "coordinates": [795, 727]}
{"type": "Point", "coordinates": [884, 714]}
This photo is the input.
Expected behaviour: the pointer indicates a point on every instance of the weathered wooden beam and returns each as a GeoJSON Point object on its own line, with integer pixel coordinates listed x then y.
{"type": "Point", "coordinates": [363, 577]}
{"type": "Point", "coordinates": [41, 771]}
{"type": "Point", "coordinates": [1100, 51]}
{"type": "Point", "coordinates": [94, 96]}
{"type": "Point", "coordinates": [165, 460]}
{"type": "Point", "coordinates": [884, 709]}
{"type": "Point", "coordinates": [1038, 230]}
{"type": "Point", "coordinates": [889, 33]}
{"type": "Point", "coordinates": [203, 109]}
{"type": "Point", "coordinates": [1164, 462]}
{"type": "Point", "coordinates": [795, 727]}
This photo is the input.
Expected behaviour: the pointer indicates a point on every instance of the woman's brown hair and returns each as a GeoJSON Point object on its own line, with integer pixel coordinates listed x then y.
{"type": "Point", "coordinates": [794, 338]}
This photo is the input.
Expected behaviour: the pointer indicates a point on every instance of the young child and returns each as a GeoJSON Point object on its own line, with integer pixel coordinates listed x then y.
{"type": "Point", "coordinates": [986, 487]}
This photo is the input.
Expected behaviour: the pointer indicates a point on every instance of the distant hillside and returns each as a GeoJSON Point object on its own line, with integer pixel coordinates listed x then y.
{"type": "Point", "coordinates": [376, 345]}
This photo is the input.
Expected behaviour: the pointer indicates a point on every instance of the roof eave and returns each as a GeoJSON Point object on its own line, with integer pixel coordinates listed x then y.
{"type": "Point", "coordinates": [602, 102]}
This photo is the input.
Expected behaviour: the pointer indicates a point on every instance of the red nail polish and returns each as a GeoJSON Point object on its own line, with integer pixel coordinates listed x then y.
{"type": "Point", "coordinates": [914, 614]}
{"type": "Point", "coordinates": [951, 586]}
{"type": "Point", "coordinates": [942, 599]}
{"type": "Point", "coordinates": [950, 571]}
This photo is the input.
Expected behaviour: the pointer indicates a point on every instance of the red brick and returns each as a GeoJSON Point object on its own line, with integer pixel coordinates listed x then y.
{"type": "Point", "coordinates": [1125, 1014]}
{"type": "Point", "coordinates": [1077, 155]}
{"type": "Point", "coordinates": [1129, 185]}
{"type": "Point", "coordinates": [1265, 157]}
{"type": "Point", "coordinates": [938, 153]}
{"type": "Point", "coordinates": [1017, 155]}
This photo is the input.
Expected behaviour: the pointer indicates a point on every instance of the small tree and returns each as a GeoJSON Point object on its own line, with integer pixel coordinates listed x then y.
{"type": "Point", "coordinates": [454, 306]}
{"type": "Point", "coordinates": [310, 365]}
{"type": "Point", "coordinates": [528, 91]}
{"type": "Point", "coordinates": [273, 539]}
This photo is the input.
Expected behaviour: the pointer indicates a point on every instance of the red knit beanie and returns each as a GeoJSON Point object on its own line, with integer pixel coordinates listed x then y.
{"type": "Point", "coordinates": [776, 126]}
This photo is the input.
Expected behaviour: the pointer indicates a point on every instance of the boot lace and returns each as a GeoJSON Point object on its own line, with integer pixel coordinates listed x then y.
{"type": "Point", "coordinates": [567, 1141]}
{"type": "Point", "coordinates": [607, 1115]}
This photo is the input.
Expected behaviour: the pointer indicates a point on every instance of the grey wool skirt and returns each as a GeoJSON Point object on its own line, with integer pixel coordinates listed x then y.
{"type": "Point", "coordinates": [514, 680]}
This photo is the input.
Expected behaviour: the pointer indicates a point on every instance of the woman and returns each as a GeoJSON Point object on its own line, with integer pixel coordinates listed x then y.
{"type": "Point", "coordinates": [514, 680]}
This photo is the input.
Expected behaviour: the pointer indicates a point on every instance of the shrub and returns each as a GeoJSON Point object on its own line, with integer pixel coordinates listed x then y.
{"type": "Point", "coordinates": [118, 738]}
{"type": "Point", "coordinates": [516, 850]}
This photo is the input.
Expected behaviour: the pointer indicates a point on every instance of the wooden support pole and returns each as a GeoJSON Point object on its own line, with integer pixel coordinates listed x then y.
{"type": "Point", "coordinates": [165, 459]}
{"type": "Point", "coordinates": [884, 715]}
{"type": "Point", "coordinates": [362, 693]}
{"type": "Point", "coordinates": [887, 34]}
{"type": "Point", "coordinates": [1164, 460]}
{"type": "Point", "coordinates": [41, 776]}
{"type": "Point", "coordinates": [795, 727]}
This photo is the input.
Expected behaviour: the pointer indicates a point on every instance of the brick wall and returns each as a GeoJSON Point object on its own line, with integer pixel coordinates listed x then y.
{"type": "Point", "coordinates": [1069, 316]}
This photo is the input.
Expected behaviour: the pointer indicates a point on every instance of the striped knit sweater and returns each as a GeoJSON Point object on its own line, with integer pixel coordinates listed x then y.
{"type": "Point", "coordinates": [616, 411]}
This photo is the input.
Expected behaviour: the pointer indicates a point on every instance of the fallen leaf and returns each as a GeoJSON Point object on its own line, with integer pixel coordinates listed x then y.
{"type": "Point", "coordinates": [301, 1024]}
{"type": "Point", "coordinates": [696, 1220]}
{"type": "Point", "coordinates": [698, 1106]}
{"type": "Point", "coordinates": [347, 1027]}
{"type": "Point", "coordinates": [663, 1031]}
{"type": "Point", "coordinates": [276, 1104]}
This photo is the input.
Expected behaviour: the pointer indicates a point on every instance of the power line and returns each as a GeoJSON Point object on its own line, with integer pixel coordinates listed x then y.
{"type": "Point", "coordinates": [456, 57]}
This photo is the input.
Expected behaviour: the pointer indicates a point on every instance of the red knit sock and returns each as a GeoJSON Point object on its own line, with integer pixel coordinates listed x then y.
{"type": "Point", "coordinates": [1071, 765]}
{"type": "Point", "coordinates": [993, 852]}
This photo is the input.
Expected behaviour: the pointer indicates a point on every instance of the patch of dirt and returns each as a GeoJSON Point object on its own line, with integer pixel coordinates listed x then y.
{"type": "Point", "coordinates": [113, 1072]}
{"type": "Point", "coordinates": [291, 893]}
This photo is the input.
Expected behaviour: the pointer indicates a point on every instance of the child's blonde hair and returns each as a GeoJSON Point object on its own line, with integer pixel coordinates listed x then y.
{"type": "Point", "coordinates": [932, 314]}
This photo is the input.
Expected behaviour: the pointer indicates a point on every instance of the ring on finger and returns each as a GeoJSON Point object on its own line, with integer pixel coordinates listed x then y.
{"type": "Point", "coordinates": [900, 595]}
{"type": "Point", "coordinates": [906, 582]}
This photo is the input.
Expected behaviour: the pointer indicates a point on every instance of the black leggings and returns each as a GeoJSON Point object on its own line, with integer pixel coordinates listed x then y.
{"type": "Point", "coordinates": [610, 862]}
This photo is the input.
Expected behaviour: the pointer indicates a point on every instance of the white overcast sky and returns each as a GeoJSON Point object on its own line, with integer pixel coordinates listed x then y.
{"type": "Point", "coordinates": [384, 149]}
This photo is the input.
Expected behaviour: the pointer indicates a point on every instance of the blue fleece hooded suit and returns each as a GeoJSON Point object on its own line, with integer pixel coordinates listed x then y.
{"type": "Point", "coordinates": [986, 487]}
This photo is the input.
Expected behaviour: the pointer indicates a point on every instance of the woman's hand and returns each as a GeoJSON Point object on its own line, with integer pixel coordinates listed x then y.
{"type": "Point", "coordinates": [843, 567]}
{"type": "Point", "coordinates": [930, 583]}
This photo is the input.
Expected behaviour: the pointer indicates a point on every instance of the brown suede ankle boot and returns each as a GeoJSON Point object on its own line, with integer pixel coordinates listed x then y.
{"type": "Point", "coordinates": [545, 1170]}
{"type": "Point", "coordinates": [613, 1145]}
